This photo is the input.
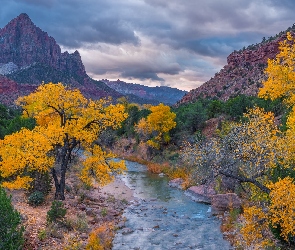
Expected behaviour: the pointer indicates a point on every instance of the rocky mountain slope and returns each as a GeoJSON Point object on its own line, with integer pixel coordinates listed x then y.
{"type": "Point", "coordinates": [243, 73]}
{"type": "Point", "coordinates": [163, 94]}
{"type": "Point", "coordinates": [29, 56]}
{"type": "Point", "coordinates": [24, 44]}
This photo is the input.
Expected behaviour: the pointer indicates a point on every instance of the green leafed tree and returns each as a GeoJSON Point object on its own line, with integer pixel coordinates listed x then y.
{"type": "Point", "coordinates": [11, 231]}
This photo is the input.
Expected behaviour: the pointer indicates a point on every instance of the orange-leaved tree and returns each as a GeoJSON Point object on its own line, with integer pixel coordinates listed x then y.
{"type": "Point", "coordinates": [157, 125]}
{"type": "Point", "coordinates": [66, 121]}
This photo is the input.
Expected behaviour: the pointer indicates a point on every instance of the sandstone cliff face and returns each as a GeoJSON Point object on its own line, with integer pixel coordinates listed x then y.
{"type": "Point", "coordinates": [243, 73]}
{"type": "Point", "coordinates": [28, 56]}
{"type": "Point", "coordinates": [10, 90]}
{"type": "Point", "coordinates": [24, 44]}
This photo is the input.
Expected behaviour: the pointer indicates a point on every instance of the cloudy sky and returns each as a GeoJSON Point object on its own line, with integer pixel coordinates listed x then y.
{"type": "Point", "coordinates": [177, 43]}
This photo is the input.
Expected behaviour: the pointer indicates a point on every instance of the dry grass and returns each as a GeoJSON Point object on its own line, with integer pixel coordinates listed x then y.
{"type": "Point", "coordinates": [73, 231]}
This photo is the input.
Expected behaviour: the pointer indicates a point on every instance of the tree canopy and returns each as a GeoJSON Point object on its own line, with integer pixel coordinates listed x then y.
{"type": "Point", "coordinates": [66, 121]}
{"type": "Point", "coordinates": [157, 125]}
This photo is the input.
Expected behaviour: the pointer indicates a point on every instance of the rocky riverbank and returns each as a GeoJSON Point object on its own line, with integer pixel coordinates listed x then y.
{"type": "Point", "coordinates": [87, 210]}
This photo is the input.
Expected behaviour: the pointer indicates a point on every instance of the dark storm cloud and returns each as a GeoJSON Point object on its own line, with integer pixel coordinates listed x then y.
{"type": "Point", "coordinates": [108, 30]}
{"type": "Point", "coordinates": [196, 35]}
{"type": "Point", "coordinates": [192, 25]}
{"type": "Point", "coordinates": [73, 23]}
{"type": "Point", "coordinates": [198, 25]}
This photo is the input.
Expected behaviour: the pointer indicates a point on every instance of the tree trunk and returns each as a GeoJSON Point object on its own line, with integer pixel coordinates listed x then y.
{"type": "Point", "coordinates": [64, 158]}
{"type": "Point", "coordinates": [58, 192]}
{"type": "Point", "coordinates": [61, 183]}
{"type": "Point", "coordinates": [245, 179]}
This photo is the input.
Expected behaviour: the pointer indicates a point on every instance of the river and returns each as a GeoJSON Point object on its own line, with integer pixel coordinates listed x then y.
{"type": "Point", "coordinates": [161, 217]}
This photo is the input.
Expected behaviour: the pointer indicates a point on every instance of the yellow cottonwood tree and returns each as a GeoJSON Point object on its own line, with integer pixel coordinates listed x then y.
{"type": "Point", "coordinates": [21, 153]}
{"type": "Point", "coordinates": [279, 213]}
{"type": "Point", "coordinates": [280, 72]}
{"type": "Point", "coordinates": [282, 206]}
{"type": "Point", "coordinates": [157, 124]}
{"type": "Point", "coordinates": [66, 121]}
{"type": "Point", "coordinates": [281, 78]}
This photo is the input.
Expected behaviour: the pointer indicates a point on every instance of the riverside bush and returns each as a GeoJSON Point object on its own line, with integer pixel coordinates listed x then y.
{"type": "Point", "coordinates": [101, 238]}
{"type": "Point", "coordinates": [11, 231]}
{"type": "Point", "coordinates": [36, 198]}
{"type": "Point", "coordinates": [57, 212]}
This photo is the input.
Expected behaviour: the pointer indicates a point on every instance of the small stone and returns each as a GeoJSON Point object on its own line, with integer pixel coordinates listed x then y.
{"type": "Point", "coordinates": [120, 225]}
{"type": "Point", "coordinates": [127, 230]}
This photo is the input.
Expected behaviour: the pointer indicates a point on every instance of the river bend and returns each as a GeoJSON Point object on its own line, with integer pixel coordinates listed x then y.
{"type": "Point", "coordinates": [161, 217]}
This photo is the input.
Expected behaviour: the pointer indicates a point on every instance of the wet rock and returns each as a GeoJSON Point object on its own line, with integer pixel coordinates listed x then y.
{"type": "Point", "coordinates": [201, 193]}
{"type": "Point", "coordinates": [127, 230]}
{"type": "Point", "coordinates": [224, 202]}
{"type": "Point", "coordinates": [176, 183]}
{"type": "Point", "coordinates": [120, 225]}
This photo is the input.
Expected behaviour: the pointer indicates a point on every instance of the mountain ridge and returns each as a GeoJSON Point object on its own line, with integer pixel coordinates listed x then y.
{"type": "Point", "coordinates": [166, 94]}
{"type": "Point", "coordinates": [243, 73]}
{"type": "Point", "coordinates": [29, 56]}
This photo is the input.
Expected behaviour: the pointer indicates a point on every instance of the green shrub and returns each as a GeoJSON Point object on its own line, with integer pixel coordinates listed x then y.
{"type": "Point", "coordinates": [104, 212]}
{"type": "Point", "coordinates": [36, 198]}
{"type": "Point", "coordinates": [42, 234]}
{"type": "Point", "coordinates": [11, 231]}
{"type": "Point", "coordinates": [57, 212]}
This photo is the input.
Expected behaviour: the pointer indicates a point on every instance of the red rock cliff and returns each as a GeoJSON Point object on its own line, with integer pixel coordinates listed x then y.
{"type": "Point", "coordinates": [24, 44]}
{"type": "Point", "coordinates": [243, 73]}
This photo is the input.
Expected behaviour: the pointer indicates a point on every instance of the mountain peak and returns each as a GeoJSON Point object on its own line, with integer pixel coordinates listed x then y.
{"type": "Point", "coordinates": [25, 44]}
{"type": "Point", "coordinates": [23, 16]}
{"type": "Point", "coordinates": [23, 19]}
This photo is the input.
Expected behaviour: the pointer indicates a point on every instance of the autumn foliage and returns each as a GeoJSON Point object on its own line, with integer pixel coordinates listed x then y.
{"type": "Point", "coordinates": [66, 121]}
{"type": "Point", "coordinates": [277, 211]}
{"type": "Point", "coordinates": [156, 126]}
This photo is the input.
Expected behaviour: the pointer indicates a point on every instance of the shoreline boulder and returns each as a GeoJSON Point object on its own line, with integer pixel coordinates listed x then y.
{"type": "Point", "coordinates": [225, 202]}
{"type": "Point", "coordinates": [201, 193]}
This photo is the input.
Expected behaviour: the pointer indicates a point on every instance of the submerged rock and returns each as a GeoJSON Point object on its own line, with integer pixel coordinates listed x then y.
{"type": "Point", "coordinates": [176, 183]}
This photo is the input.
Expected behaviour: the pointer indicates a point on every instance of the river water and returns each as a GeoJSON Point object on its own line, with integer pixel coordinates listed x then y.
{"type": "Point", "coordinates": [161, 217]}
